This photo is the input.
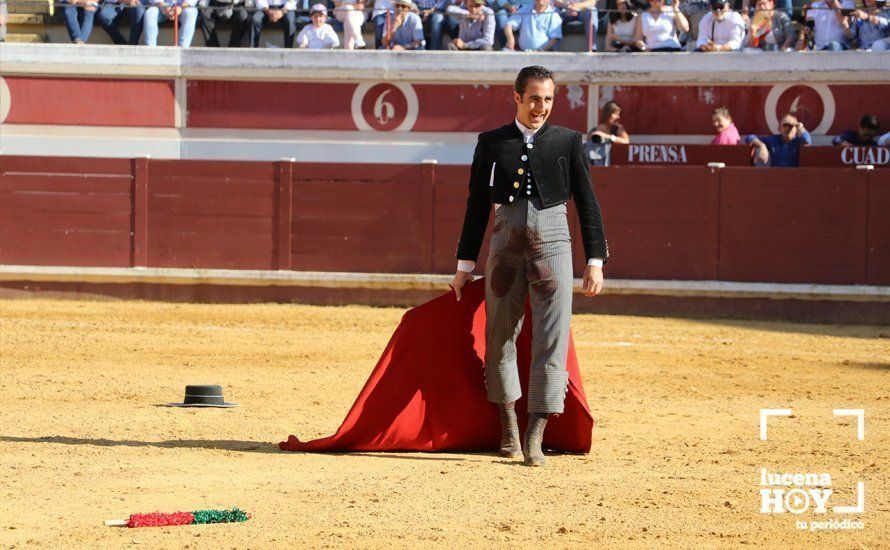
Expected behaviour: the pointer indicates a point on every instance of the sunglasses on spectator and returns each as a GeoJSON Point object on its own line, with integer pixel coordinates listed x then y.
{"type": "Point", "coordinates": [787, 125]}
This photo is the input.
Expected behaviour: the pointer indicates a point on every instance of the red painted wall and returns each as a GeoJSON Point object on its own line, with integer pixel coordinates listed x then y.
{"type": "Point", "coordinates": [211, 215]}
{"type": "Point", "coordinates": [654, 109]}
{"type": "Point", "coordinates": [805, 225]}
{"type": "Point", "coordinates": [65, 211]}
{"type": "Point", "coordinates": [90, 102]}
{"type": "Point", "coordinates": [661, 223]}
{"type": "Point", "coordinates": [444, 107]}
{"type": "Point", "coordinates": [800, 227]}
{"type": "Point", "coordinates": [382, 106]}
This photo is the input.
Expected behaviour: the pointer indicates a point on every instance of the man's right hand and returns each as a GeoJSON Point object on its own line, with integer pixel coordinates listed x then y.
{"type": "Point", "coordinates": [763, 154]}
{"type": "Point", "coordinates": [461, 279]}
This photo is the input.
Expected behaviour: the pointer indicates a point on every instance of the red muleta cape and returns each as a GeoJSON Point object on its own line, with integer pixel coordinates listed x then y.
{"type": "Point", "coordinates": [427, 392]}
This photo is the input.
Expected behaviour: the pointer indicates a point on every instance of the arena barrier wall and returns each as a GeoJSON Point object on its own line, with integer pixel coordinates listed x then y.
{"type": "Point", "coordinates": [805, 225]}
{"type": "Point", "coordinates": [369, 106]}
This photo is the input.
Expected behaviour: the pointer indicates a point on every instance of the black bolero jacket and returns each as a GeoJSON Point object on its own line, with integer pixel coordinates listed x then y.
{"type": "Point", "coordinates": [559, 165]}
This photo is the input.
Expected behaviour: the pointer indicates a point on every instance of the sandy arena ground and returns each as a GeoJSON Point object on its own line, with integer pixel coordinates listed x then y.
{"type": "Point", "coordinates": [676, 457]}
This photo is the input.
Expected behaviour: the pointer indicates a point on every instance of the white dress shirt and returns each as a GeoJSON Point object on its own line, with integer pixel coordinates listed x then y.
{"type": "Point", "coordinates": [528, 136]}
{"type": "Point", "coordinates": [728, 32]}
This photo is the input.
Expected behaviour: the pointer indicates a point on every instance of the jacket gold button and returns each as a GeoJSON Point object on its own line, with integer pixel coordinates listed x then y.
{"type": "Point", "coordinates": [520, 171]}
{"type": "Point", "coordinates": [515, 185]}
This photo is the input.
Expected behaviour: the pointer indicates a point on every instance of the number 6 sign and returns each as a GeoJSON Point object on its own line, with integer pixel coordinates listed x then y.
{"type": "Point", "coordinates": [384, 107]}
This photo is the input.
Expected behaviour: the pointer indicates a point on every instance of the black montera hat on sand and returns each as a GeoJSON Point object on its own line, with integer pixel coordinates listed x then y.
{"type": "Point", "coordinates": [209, 395]}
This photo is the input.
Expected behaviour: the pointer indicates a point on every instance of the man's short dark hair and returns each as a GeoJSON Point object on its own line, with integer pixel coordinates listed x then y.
{"type": "Point", "coordinates": [535, 72]}
{"type": "Point", "coordinates": [869, 122]}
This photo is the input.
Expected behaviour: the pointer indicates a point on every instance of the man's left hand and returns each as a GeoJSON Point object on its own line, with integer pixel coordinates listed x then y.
{"type": "Point", "coordinates": [592, 281]}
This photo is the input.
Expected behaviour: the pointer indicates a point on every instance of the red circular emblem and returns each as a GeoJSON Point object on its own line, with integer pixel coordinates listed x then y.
{"type": "Point", "coordinates": [384, 107]}
{"type": "Point", "coordinates": [804, 103]}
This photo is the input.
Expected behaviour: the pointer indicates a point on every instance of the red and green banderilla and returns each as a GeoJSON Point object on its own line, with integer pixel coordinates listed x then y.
{"type": "Point", "coordinates": [198, 517]}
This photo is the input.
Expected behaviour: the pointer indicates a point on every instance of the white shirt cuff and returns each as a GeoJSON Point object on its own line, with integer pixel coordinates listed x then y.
{"type": "Point", "coordinates": [598, 262]}
{"type": "Point", "coordinates": [466, 265]}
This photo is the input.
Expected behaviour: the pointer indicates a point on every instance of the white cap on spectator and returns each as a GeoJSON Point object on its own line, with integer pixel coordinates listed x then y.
{"type": "Point", "coordinates": [318, 8]}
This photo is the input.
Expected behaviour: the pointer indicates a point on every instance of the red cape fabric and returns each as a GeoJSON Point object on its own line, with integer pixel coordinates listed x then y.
{"type": "Point", "coordinates": [427, 392]}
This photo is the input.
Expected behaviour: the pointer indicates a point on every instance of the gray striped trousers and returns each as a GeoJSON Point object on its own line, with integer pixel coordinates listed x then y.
{"type": "Point", "coordinates": [530, 256]}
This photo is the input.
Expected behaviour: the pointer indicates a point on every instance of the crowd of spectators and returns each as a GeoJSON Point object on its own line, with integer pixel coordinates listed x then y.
{"type": "Point", "coordinates": [484, 25]}
{"type": "Point", "coordinates": [781, 149]}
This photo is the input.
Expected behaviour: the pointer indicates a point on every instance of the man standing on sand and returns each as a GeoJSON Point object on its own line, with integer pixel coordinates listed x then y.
{"type": "Point", "coordinates": [528, 169]}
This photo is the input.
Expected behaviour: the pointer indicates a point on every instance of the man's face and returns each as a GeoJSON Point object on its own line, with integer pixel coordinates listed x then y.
{"type": "Point", "coordinates": [318, 19]}
{"type": "Point", "coordinates": [719, 12]}
{"type": "Point", "coordinates": [541, 5]}
{"type": "Point", "coordinates": [867, 134]}
{"type": "Point", "coordinates": [474, 9]}
{"type": "Point", "coordinates": [788, 128]}
{"type": "Point", "coordinates": [533, 107]}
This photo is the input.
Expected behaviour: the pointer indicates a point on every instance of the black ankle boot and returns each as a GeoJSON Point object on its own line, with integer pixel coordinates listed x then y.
{"type": "Point", "coordinates": [510, 445]}
{"type": "Point", "coordinates": [534, 437]}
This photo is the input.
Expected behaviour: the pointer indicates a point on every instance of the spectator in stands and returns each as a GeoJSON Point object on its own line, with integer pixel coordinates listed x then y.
{"type": "Point", "coordinates": [503, 9]}
{"type": "Point", "coordinates": [433, 13]}
{"type": "Point", "coordinates": [785, 6]}
{"type": "Point", "coordinates": [782, 149]}
{"type": "Point", "coordinates": [476, 32]}
{"type": "Point", "coordinates": [223, 10]}
{"type": "Point", "coordinates": [381, 9]}
{"type": "Point", "coordinates": [318, 35]}
{"type": "Point", "coordinates": [620, 31]}
{"type": "Point", "coordinates": [866, 135]}
{"type": "Point", "coordinates": [111, 11]}
{"type": "Point", "coordinates": [584, 11]}
{"type": "Point", "coordinates": [727, 134]}
{"type": "Point", "coordinates": [280, 12]}
{"type": "Point", "coordinates": [406, 28]}
{"type": "Point", "coordinates": [657, 28]}
{"type": "Point", "coordinates": [694, 10]}
{"type": "Point", "coordinates": [166, 10]}
{"type": "Point", "coordinates": [771, 29]}
{"type": "Point", "coordinates": [609, 129]}
{"type": "Point", "coordinates": [721, 30]}
{"type": "Point", "coordinates": [871, 27]}
{"type": "Point", "coordinates": [79, 19]}
{"type": "Point", "coordinates": [831, 27]}
{"type": "Point", "coordinates": [539, 26]}
{"type": "Point", "coordinates": [351, 13]}
{"type": "Point", "coordinates": [3, 11]}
